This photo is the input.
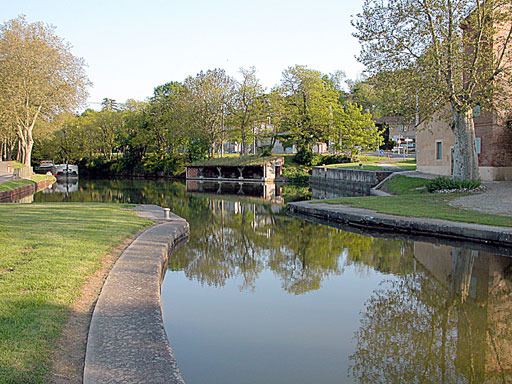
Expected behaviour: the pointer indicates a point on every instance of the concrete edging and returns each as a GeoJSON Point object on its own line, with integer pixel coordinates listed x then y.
{"type": "Point", "coordinates": [127, 342]}
{"type": "Point", "coordinates": [365, 218]}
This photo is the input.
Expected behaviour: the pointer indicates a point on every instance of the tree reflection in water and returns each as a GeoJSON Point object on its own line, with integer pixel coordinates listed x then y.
{"type": "Point", "coordinates": [447, 322]}
{"type": "Point", "coordinates": [443, 316]}
{"type": "Point", "coordinates": [238, 239]}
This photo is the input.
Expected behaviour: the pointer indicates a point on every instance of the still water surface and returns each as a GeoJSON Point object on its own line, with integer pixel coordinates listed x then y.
{"type": "Point", "coordinates": [256, 296]}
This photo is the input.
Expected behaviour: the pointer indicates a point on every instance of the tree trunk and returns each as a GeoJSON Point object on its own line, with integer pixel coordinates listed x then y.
{"type": "Point", "coordinates": [27, 153]}
{"type": "Point", "coordinates": [465, 158]}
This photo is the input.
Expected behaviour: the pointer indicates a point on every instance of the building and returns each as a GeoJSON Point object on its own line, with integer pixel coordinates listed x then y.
{"type": "Point", "coordinates": [398, 129]}
{"type": "Point", "coordinates": [493, 145]}
{"type": "Point", "coordinates": [493, 132]}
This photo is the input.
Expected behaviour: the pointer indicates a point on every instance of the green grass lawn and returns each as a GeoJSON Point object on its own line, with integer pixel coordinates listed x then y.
{"type": "Point", "coordinates": [426, 205]}
{"type": "Point", "coordinates": [401, 185]}
{"type": "Point", "coordinates": [13, 184]}
{"type": "Point", "coordinates": [47, 252]}
{"type": "Point", "coordinates": [236, 160]}
{"type": "Point", "coordinates": [374, 163]}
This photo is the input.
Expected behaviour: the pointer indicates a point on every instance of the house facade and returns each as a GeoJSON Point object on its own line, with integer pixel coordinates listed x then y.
{"type": "Point", "coordinates": [435, 141]}
{"type": "Point", "coordinates": [398, 129]}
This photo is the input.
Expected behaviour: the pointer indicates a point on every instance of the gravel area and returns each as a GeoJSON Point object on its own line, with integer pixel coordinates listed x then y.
{"type": "Point", "coordinates": [496, 199]}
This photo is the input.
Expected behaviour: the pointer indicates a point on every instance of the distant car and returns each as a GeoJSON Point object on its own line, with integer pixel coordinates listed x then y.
{"type": "Point", "coordinates": [394, 149]}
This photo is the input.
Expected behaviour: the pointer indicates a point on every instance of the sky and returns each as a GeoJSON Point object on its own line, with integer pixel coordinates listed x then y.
{"type": "Point", "coordinates": [131, 46]}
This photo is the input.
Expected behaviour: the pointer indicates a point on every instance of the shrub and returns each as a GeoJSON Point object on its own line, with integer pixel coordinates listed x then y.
{"type": "Point", "coordinates": [335, 159]}
{"type": "Point", "coordinates": [296, 175]}
{"type": "Point", "coordinates": [443, 182]}
{"type": "Point", "coordinates": [303, 156]}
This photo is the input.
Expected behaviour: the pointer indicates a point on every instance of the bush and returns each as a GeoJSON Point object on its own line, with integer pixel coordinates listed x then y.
{"type": "Point", "coordinates": [303, 156]}
{"type": "Point", "coordinates": [443, 182]}
{"type": "Point", "coordinates": [335, 159]}
{"type": "Point", "coordinates": [296, 175]}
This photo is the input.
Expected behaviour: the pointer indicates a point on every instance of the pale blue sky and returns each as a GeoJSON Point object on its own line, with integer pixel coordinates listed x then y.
{"type": "Point", "coordinates": [132, 46]}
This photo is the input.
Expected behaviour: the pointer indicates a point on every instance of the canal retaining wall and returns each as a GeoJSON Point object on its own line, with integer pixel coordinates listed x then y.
{"type": "Point", "coordinates": [435, 228]}
{"type": "Point", "coordinates": [127, 342]}
{"type": "Point", "coordinates": [348, 179]}
{"type": "Point", "coordinates": [16, 194]}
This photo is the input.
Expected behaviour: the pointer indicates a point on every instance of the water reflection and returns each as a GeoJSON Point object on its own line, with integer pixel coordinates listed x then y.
{"type": "Point", "coordinates": [448, 322]}
{"type": "Point", "coordinates": [65, 186]}
{"type": "Point", "coordinates": [266, 191]}
{"type": "Point", "coordinates": [418, 312]}
{"type": "Point", "coordinates": [233, 239]}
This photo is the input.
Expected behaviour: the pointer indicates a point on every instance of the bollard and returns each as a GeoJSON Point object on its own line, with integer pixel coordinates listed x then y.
{"type": "Point", "coordinates": [167, 211]}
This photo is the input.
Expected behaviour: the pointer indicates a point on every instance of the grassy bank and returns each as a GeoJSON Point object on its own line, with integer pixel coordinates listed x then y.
{"type": "Point", "coordinates": [376, 163]}
{"type": "Point", "coordinates": [47, 252]}
{"type": "Point", "coordinates": [433, 206]}
{"type": "Point", "coordinates": [13, 184]}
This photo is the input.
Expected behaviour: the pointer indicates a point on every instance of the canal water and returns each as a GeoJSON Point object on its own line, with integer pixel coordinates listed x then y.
{"type": "Point", "coordinates": [257, 296]}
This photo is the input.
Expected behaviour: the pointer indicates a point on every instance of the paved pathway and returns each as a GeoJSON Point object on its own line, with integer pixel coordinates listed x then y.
{"type": "Point", "coordinates": [497, 199]}
{"type": "Point", "coordinates": [127, 341]}
{"type": "Point", "coordinates": [5, 177]}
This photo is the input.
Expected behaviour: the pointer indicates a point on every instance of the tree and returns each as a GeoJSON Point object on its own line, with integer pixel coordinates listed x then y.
{"type": "Point", "coordinates": [458, 52]}
{"type": "Point", "coordinates": [246, 107]}
{"type": "Point", "coordinates": [308, 102]}
{"type": "Point", "coordinates": [352, 129]}
{"type": "Point", "coordinates": [166, 117]}
{"type": "Point", "coordinates": [207, 97]}
{"type": "Point", "coordinates": [39, 78]}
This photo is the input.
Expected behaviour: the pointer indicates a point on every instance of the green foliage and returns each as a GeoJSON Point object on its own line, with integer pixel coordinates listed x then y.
{"type": "Point", "coordinates": [303, 156]}
{"type": "Point", "coordinates": [297, 175]}
{"type": "Point", "coordinates": [443, 182]}
{"type": "Point", "coordinates": [155, 164]}
{"type": "Point", "coordinates": [308, 103]}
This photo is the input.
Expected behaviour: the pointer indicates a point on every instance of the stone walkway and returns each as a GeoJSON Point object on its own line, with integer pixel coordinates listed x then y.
{"type": "Point", "coordinates": [127, 342]}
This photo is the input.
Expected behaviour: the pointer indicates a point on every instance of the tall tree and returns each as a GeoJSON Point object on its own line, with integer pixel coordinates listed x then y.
{"type": "Point", "coordinates": [246, 107]}
{"type": "Point", "coordinates": [166, 117]}
{"type": "Point", "coordinates": [207, 97]}
{"type": "Point", "coordinates": [308, 102]}
{"type": "Point", "coordinates": [39, 77]}
{"type": "Point", "coordinates": [456, 51]}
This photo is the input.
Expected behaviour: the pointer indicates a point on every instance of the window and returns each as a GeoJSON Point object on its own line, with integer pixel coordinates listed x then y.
{"type": "Point", "coordinates": [477, 111]}
{"type": "Point", "coordinates": [478, 142]}
{"type": "Point", "coordinates": [439, 150]}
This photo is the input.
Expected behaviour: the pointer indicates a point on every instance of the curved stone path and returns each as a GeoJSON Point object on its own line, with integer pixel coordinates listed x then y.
{"type": "Point", "coordinates": [127, 342]}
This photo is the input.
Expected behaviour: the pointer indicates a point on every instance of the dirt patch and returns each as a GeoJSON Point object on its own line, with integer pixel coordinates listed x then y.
{"type": "Point", "coordinates": [69, 357]}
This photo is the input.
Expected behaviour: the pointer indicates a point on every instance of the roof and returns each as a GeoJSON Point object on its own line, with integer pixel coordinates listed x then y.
{"type": "Point", "coordinates": [237, 161]}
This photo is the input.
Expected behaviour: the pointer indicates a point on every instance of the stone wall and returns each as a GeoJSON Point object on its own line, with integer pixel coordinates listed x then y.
{"type": "Point", "coordinates": [349, 179]}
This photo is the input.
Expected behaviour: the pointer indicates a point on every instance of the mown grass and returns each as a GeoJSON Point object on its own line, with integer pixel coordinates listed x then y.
{"type": "Point", "coordinates": [13, 184]}
{"type": "Point", "coordinates": [236, 160]}
{"type": "Point", "coordinates": [433, 206]}
{"type": "Point", "coordinates": [47, 252]}
{"type": "Point", "coordinates": [401, 185]}
{"type": "Point", "coordinates": [375, 163]}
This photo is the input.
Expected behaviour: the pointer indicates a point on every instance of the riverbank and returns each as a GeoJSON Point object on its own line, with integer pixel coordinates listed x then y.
{"type": "Point", "coordinates": [14, 190]}
{"type": "Point", "coordinates": [48, 252]}
{"type": "Point", "coordinates": [463, 217]}
{"type": "Point", "coordinates": [119, 349]}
